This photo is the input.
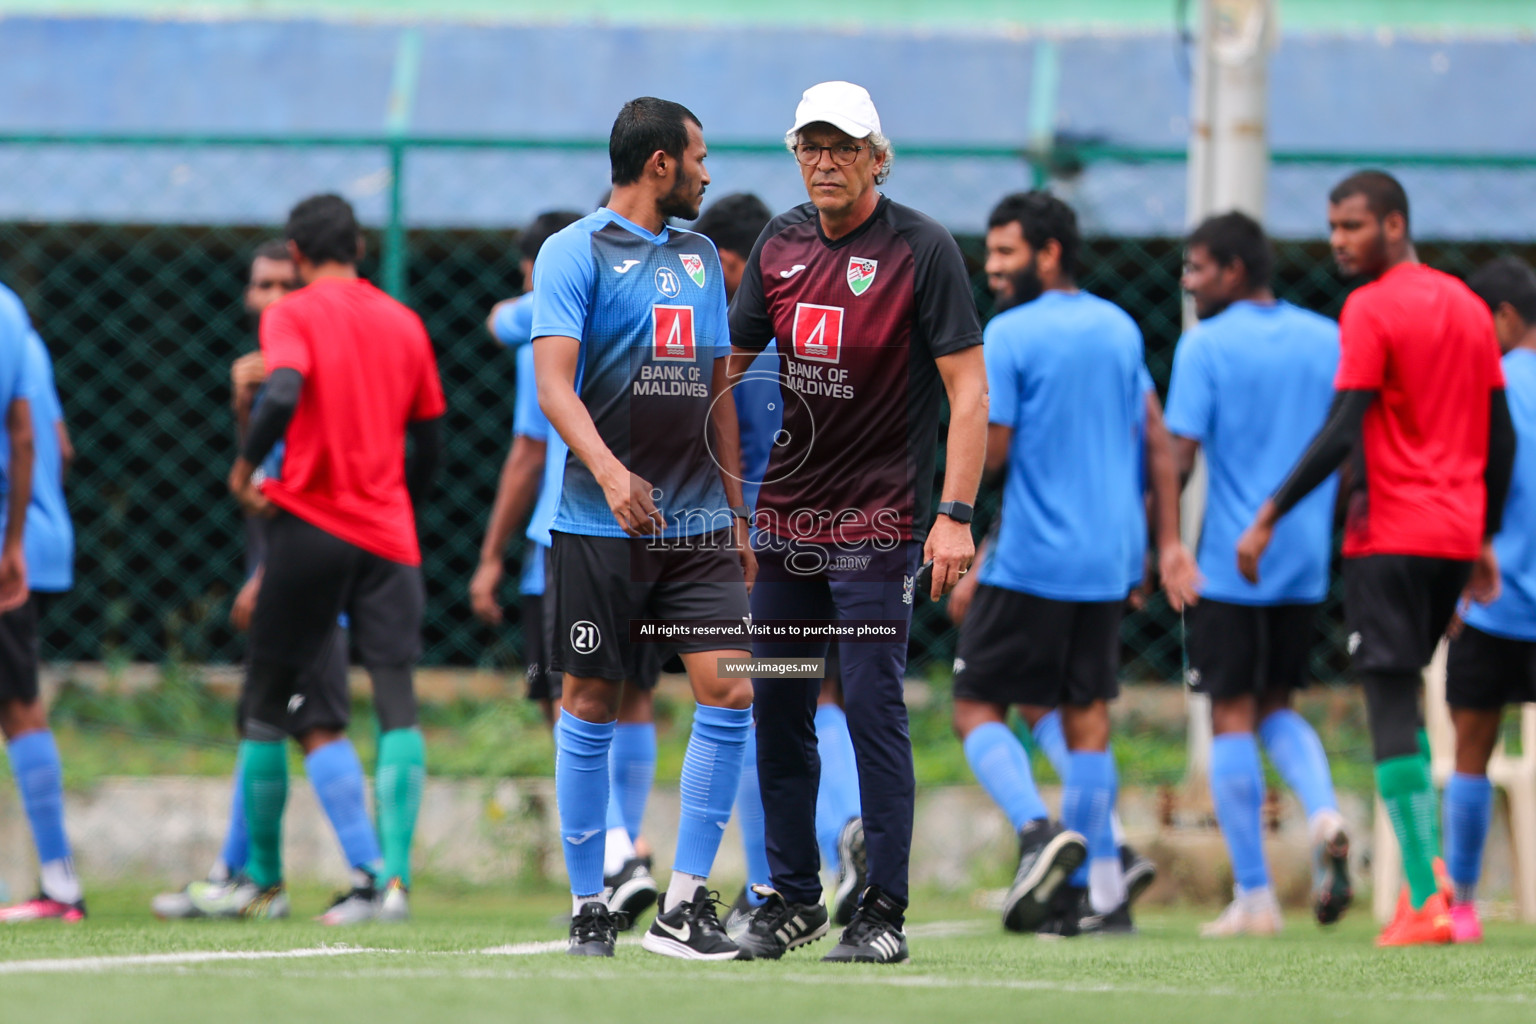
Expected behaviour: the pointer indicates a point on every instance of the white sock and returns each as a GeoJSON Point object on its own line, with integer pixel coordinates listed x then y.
{"type": "Point", "coordinates": [1116, 830]}
{"type": "Point", "coordinates": [1106, 884]}
{"type": "Point", "coordinates": [1325, 824]}
{"type": "Point", "coordinates": [617, 848]}
{"type": "Point", "coordinates": [219, 872]}
{"type": "Point", "coordinates": [59, 881]}
{"type": "Point", "coordinates": [578, 901]}
{"type": "Point", "coordinates": [681, 888]}
{"type": "Point", "coordinates": [1262, 898]}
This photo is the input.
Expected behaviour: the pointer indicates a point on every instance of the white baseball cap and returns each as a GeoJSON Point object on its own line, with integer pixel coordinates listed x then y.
{"type": "Point", "coordinates": [843, 105]}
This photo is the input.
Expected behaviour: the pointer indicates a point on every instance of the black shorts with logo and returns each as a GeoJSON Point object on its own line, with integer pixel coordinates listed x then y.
{"type": "Point", "coordinates": [19, 652]}
{"type": "Point", "coordinates": [322, 698]}
{"type": "Point", "coordinates": [1236, 649]}
{"type": "Point", "coordinates": [1018, 648]}
{"type": "Point", "coordinates": [601, 583]}
{"type": "Point", "coordinates": [1484, 672]}
{"type": "Point", "coordinates": [1397, 608]}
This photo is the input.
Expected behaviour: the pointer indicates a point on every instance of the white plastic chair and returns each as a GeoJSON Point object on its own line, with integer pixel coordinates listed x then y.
{"type": "Point", "coordinates": [1514, 774]}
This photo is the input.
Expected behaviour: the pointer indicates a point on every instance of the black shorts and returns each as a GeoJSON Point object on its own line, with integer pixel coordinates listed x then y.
{"type": "Point", "coordinates": [1022, 649]}
{"type": "Point", "coordinates": [1484, 672]}
{"type": "Point", "coordinates": [322, 698]}
{"type": "Point", "coordinates": [601, 583]}
{"type": "Point", "coordinates": [535, 650]}
{"type": "Point", "coordinates": [19, 653]}
{"type": "Point", "coordinates": [1236, 650]}
{"type": "Point", "coordinates": [1397, 607]}
{"type": "Point", "coordinates": [311, 578]}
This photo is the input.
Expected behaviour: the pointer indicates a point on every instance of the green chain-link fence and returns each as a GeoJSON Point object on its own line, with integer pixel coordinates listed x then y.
{"type": "Point", "coordinates": [143, 320]}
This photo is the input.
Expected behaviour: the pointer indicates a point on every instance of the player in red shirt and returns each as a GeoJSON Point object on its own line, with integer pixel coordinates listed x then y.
{"type": "Point", "coordinates": [1420, 387]}
{"type": "Point", "coordinates": [352, 373]}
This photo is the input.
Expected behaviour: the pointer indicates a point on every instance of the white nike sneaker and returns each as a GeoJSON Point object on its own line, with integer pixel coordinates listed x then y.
{"type": "Point", "coordinates": [1241, 918]}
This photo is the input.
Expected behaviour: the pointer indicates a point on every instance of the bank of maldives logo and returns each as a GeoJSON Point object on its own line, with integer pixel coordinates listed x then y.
{"type": "Point", "coordinates": [818, 332]}
{"type": "Point", "coordinates": [672, 333]}
{"type": "Point", "coordinates": [861, 273]}
{"type": "Point", "coordinates": [693, 265]}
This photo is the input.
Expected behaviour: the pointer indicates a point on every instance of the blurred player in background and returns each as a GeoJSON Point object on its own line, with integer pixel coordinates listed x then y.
{"type": "Point", "coordinates": [872, 302]}
{"type": "Point", "coordinates": [1008, 255]}
{"type": "Point", "coordinates": [1420, 388]}
{"type": "Point", "coordinates": [1492, 660]}
{"type": "Point", "coordinates": [734, 223]}
{"type": "Point", "coordinates": [38, 559]}
{"type": "Point", "coordinates": [630, 346]}
{"type": "Point", "coordinates": [351, 374]}
{"type": "Point", "coordinates": [535, 458]}
{"type": "Point", "coordinates": [1073, 416]}
{"type": "Point", "coordinates": [1251, 385]}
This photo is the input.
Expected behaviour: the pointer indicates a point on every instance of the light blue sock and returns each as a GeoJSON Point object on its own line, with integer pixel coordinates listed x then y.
{"type": "Point", "coordinates": [749, 815]}
{"type": "Point", "coordinates": [581, 792]}
{"type": "Point", "coordinates": [710, 777]}
{"type": "Point", "coordinates": [1237, 790]}
{"type": "Point", "coordinates": [837, 797]}
{"type": "Point", "coordinates": [40, 781]}
{"type": "Point", "coordinates": [1298, 756]}
{"type": "Point", "coordinates": [1468, 803]}
{"type": "Point", "coordinates": [336, 775]}
{"type": "Point", "coordinates": [1049, 738]}
{"type": "Point", "coordinates": [1087, 797]}
{"type": "Point", "coordinates": [632, 769]}
{"type": "Point", "coordinates": [1001, 766]}
{"type": "Point", "coordinates": [237, 841]}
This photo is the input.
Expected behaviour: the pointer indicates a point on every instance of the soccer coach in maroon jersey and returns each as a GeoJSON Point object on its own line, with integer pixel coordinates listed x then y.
{"type": "Point", "coordinates": [871, 305]}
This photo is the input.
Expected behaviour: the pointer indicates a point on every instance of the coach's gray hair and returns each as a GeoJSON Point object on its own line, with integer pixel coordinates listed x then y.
{"type": "Point", "coordinates": [877, 142]}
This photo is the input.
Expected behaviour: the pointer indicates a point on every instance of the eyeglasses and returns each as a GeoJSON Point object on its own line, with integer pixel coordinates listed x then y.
{"type": "Point", "coordinates": [843, 154]}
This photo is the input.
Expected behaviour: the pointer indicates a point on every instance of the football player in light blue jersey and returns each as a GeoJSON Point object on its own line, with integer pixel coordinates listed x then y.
{"type": "Point", "coordinates": [27, 396]}
{"type": "Point", "coordinates": [1073, 418]}
{"type": "Point", "coordinates": [630, 339]}
{"type": "Point", "coordinates": [1492, 659]}
{"type": "Point", "coordinates": [1251, 385]}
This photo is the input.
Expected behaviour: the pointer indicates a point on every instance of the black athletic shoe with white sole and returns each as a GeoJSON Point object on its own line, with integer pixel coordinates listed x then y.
{"type": "Point", "coordinates": [691, 931]}
{"type": "Point", "coordinates": [631, 890]}
{"type": "Point", "coordinates": [778, 926]}
{"type": "Point", "coordinates": [1048, 854]}
{"type": "Point", "coordinates": [874, 936]}
{"type": "Point", "coordinates": [852, 871]}
{"type": "Point", "coordinates": [594, 931]}
{"type": "Point", "coordinates": [1139, 873]}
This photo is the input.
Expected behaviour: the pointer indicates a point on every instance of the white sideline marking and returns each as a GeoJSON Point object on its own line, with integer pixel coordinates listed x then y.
{"type": "Point", "coordinates": [107, 963]}
{"type": "Point", "coordinates": [523, 949]}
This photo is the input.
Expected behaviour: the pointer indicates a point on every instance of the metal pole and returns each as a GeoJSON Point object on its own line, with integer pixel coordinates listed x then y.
{"type": "Point", "coordinates": [395, 259]}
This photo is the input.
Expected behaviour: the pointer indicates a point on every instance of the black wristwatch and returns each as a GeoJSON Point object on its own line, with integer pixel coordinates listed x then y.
{"type": "Point", "coordinates": [959, 511]}
{"type": "Point", "coordinates": [742, 512]}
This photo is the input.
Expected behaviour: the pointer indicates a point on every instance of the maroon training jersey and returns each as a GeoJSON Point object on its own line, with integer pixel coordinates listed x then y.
{"type": "Point", "coordinates": [1426, 343]}
{"type": "Point", "coordinates": [859, 322]}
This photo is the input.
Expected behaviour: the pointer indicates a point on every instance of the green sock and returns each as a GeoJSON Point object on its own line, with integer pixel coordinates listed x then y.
{"type": "Point", "coordinates": [1410, 800]}
{"type": "Point", "coordinates": [402, 770]}
{"type": "Point", "coordinates": [1434, 794]}
{"type": "Point", "coordinates": [265, 768]}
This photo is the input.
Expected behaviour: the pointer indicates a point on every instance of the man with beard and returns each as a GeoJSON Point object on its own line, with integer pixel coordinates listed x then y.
{"type": "Point", "coordinates": [630, 344]}
{"type": "Point", "coordinates": [1420, 388]}
{"type": "Point", "coordinates": [1071, 402]}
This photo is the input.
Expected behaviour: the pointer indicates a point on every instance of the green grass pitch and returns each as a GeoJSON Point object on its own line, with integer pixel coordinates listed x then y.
{"type": "Point", "coordinates": [492, 955]}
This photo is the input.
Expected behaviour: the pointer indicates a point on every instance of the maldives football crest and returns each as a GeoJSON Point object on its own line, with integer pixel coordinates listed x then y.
{"type": "Point", "coordinates": [861, 274]}
{"type": "Point", "coordinates": [693, 264]}
{"type": "Point", "coordinates": [672, 337]}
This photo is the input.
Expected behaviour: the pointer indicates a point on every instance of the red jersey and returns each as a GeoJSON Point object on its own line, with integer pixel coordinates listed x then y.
{"type": "Point", "coordinates": [368, 370]}
{"type": "Point", "coordinates": [1426, 343]}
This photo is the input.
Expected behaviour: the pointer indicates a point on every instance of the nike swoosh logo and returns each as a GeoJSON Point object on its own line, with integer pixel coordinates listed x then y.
{"type": "Point", "coordinates": [721, 824]}
{"type": "Point", "coordinates": [792, 271]}
{"type": "Point", "coordinates": [627, 266]}
{"type": "Point", "coordinates": [680, 934]}
{"type": "Point", "coordinates": [578, 840]}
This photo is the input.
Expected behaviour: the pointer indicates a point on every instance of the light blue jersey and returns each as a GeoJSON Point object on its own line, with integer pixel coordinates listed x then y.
{"type": "Point", "coordinates": [650, 313]}
{"type": "Point", "coordinates": [1065, 373]}
{"type": "Point", "coordinates": [1253, 385]}
{"type": "Point", "coordinates": [15, 347]}
{"type": "Point", "coordinates": [512, 324]}
{"type": "Point", "coordinates": [1513, 615]}
{"type": "Point", "coordinates": [50, 536]}
{"type": "Point", "coordinates": [759, 415]}
{"type": "Point", "coordinates": [529, 421]}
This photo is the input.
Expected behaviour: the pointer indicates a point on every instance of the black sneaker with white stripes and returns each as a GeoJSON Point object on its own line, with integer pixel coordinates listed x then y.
{"type": "Point", "coordinates": [691, 931]}
{"type": "Point", "coordinates": [1139, 872]}
{"type": "Point", "coordinates": [874, 936]}
{"type": "Point", "coordinates": [631, 890]}
{"type": "Point", "coordinates": [852, 871]}
{"type": "Point", "coordinates": [778, 926]}
{"type": "Point", "coordinates": [594, 931]}
{"type": "Point", "coordinates": [1048, 854]}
